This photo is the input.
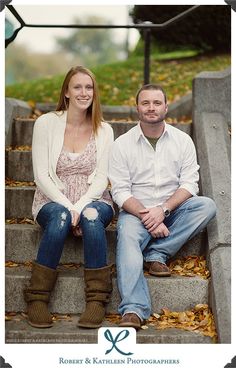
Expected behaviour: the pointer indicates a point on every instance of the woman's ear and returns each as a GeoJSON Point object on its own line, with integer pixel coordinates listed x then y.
{"type": "Point", "coordinates": [66, 93]}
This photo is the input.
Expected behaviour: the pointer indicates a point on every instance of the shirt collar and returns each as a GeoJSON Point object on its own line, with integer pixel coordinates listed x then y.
{"type": "Point", "coordinates": [139, 132]}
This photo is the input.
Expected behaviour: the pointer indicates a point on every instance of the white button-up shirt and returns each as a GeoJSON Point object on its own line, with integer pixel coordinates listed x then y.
{"type": "Point", "coordinates": [152, 177]}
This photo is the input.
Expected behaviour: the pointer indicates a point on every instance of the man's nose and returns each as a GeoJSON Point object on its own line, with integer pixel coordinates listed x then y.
{"type": "Point", "coordinates": [151, 106]}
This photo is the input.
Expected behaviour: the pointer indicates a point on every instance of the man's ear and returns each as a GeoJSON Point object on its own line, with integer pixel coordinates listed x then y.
{"type": "Point", "coordinates": [167, 108]}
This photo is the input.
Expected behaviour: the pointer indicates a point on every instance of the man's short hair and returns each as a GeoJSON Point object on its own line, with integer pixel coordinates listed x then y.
{"type": "Point", "coordinates": [155, 87]}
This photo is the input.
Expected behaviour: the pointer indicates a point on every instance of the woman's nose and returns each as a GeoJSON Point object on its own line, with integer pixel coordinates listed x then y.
{"type": "Point", "coordinates": [83, 91]}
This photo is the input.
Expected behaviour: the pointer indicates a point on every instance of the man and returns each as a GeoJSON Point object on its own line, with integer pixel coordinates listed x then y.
{"type": "Point", "coordinates": [154, 177]}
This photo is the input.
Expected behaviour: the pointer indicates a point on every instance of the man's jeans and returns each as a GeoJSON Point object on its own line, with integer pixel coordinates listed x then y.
{"type": "Point", "coordinates": [55, 220]}
{"type": "Point", "coordinates": [135, 244]}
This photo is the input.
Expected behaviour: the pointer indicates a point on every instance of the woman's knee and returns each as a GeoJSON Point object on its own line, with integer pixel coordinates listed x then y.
{"type": "Point", "coordinates": [90, 219]}
{"type": "Point", "coordinates": [90, 214]}
{"type": "Point", "coordinates": [62, 216]}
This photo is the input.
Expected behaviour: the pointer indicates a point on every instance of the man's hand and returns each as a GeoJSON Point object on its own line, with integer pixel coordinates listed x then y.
{"type": "Point", "coordinates": [152, 217]}
{"type": "Point", "coordinates": [161, 231]}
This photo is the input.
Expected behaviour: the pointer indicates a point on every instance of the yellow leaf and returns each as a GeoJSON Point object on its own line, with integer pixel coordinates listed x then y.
{"type": "Point", "coordinates": [178, 268]}
{"type": "Point", "coordinates": [190, 265]}
{"type": "Point", "coordinates": [199, 307]}
{"type": "Point", "coordinates": [183, 317]}
{"type": "Point", "coordinates": [156, 315]}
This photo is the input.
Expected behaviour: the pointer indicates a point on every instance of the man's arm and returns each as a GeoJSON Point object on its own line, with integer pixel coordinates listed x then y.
{"type": "Point", "coordinates": [180, 196]}
{"type": "Point", "coordinates": [154, 216]}
{"type": "Point", "coordinates": [188, 186]}
{"type": "Point", "coordinates": [134, 206]}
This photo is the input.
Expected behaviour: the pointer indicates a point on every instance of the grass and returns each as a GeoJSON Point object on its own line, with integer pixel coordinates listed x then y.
{"type": "Point", "coordinates": [118, 82]}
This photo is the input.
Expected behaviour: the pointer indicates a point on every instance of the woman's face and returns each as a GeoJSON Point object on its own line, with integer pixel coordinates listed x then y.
{"type": "Point", "coordinates": [80, 91]}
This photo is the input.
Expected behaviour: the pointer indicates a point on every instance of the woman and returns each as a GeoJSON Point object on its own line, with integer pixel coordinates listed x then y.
{"type": "Point", "coordinates": [70, 157]}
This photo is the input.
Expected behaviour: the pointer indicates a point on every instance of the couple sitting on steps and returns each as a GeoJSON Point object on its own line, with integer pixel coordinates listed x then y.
{"type": "Point", "coordinates": [153, 173]}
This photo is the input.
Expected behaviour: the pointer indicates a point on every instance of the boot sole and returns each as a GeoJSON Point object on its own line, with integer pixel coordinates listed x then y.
{"type": "Point", "coordinates": [38, 325]}
{"type": "Point", "coordinates": [130, 324]}
{"type": "Point", "coordinates": [84, 325]}
{"type": "Point", "coordinates": [160, 274]}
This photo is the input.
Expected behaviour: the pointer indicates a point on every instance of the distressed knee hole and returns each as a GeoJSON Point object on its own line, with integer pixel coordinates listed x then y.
{"type": "Point", "coordinates": [90, 214]}
{"type": "Point", "coordinates": [63, 218]}
{"type": "Point", "coordinates": [63, 215]}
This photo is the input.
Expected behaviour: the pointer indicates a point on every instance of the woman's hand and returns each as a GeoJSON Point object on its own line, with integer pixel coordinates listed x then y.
{"type": "Point", "coordinates": [76, 230]}
{"type": "Point", "coordinates": [75, 217]}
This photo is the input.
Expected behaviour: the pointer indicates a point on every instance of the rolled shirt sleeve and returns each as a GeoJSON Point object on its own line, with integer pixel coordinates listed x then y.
{"type": "Point", "coordinates": [189, 175]}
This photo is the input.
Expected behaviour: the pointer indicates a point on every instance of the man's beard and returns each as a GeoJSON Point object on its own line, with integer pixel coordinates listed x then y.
{"type": "Point", "coordinates": [159, 119]}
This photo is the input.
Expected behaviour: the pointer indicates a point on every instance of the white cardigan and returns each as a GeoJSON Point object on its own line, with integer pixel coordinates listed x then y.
{"type": "Point", "coordinates": [48, 138]}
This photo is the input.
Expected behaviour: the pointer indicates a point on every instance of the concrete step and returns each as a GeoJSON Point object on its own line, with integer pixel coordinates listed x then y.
{"type": "Point", "coordinates": [19, 202]}
{"type": "Point", "coordinates": [176, 293]}
{"type": "Point", "coordinates": [19, 165]}
{"type": "Point", "coordinates": [65, 331]}
{"type": "Point", "coordinates": [22, 242]}
{"type": "Point", "coordinates": [22, 129]}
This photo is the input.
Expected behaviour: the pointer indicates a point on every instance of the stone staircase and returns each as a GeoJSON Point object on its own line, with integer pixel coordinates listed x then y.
{"type": "Point", "coordinates": [176, 293]}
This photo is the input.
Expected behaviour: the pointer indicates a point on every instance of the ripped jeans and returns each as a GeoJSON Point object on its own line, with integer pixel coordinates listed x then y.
{"type": "Point", "coordinates": [55, 220]}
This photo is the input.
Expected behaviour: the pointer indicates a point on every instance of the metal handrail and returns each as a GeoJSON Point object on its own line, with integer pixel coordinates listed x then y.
{"type": "Point", "coordinates": [146, 27]}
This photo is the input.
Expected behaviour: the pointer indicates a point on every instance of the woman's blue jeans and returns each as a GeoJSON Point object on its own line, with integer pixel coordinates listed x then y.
{"type": "Point", "coordinates": [55, 220]}
{"type": "Point", "coordinates": [135, 244]}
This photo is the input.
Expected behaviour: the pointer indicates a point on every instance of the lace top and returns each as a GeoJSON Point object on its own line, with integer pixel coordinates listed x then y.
{"type": "Point", "coordinates": [73, 170]}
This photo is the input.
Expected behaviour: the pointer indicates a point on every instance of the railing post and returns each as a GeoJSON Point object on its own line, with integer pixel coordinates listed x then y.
{"type": "Point", "coordinates": [147, 51]}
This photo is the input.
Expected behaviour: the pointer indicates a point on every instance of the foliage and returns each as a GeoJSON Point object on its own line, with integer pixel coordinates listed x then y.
{"type": "Point", "coordinates": [92, 46]}
{"type": "Point", "coordinates": [206, 28]}
{"type": "Point", "coordinates": [118, 82]}
{"type": "Point", "coordinates": [162, 53]}
{"type": "Point", "coordinates": [198, 320]}
{"type": "Point", "coordinates": [21, 64]}
{"type": "Point", "coordinates": [84, 46]}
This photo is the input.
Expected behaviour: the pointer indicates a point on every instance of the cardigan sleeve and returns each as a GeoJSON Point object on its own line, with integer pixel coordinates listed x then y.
{"type": "Point", "coordinates": [100, 179]}
{"type": "Point", "coordinates": [40, 159]}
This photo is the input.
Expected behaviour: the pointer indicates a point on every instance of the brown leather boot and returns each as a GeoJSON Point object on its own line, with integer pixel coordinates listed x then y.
{"type": "Point", "coordinates": [98, 287]}
{"type": "Point", "coordinates": [37, 295]}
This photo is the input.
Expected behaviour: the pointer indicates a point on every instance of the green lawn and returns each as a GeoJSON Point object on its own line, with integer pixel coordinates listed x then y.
{"type": "Point", "coordinates": [118, 82]}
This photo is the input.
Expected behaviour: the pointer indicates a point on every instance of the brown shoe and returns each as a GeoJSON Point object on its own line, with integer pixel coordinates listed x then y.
{"type": "Point", "coordinates": [157, 269]}
{"type": "Point", "coordinates": [130, 320]}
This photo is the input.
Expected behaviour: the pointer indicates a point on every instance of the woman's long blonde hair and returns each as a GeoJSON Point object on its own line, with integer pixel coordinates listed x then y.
{"type": "Point", "coordinates": [94, 111]}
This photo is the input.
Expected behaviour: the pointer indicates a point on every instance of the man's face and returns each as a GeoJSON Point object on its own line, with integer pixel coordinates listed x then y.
{"type": "Point", "coordinates": [151, 107]}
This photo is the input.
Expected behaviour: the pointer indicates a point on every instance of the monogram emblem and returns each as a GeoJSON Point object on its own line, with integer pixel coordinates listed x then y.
{"type": "Point", "coordinates": [119, 337]}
